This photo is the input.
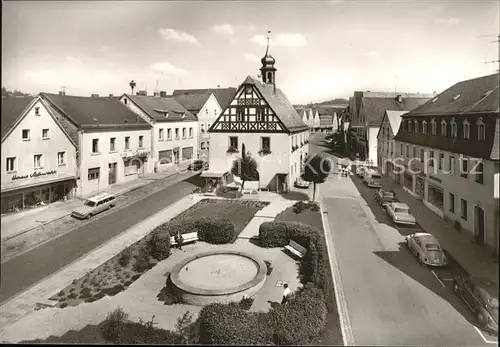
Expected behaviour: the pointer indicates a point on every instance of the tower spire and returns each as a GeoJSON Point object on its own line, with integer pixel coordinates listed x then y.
{"type": "Point", "coordinates": [268, 37]}
{"type": "Point", "coordinates": [268, 70]}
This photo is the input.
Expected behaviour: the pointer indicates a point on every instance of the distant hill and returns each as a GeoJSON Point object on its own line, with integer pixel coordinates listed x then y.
{"type": "Point", "coordinates": [335, 102]}
{"type": "Point", "coordinates": [8, 93]}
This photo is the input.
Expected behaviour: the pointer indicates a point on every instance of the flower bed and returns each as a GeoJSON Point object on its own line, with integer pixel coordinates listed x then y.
{"type": "Point", "coordinates": [216, 221]}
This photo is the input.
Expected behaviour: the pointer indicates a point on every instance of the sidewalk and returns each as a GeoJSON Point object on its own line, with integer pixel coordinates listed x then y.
{"type": "Point", "coordinates": [20, 222]}
{"type": "Point", "coordinates": [471, 256]}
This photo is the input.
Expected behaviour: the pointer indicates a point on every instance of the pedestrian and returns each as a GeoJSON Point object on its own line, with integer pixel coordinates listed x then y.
{"type": "Point", "coordinates": [286, 293]}
{"type": "Point", "coordinates": [180, 239]}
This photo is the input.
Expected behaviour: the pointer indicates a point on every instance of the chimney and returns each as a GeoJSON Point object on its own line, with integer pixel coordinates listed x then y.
{"type": "Point", "coordinates": [156, 94]}
{"type": "Point", "coordinates": [163, 94]}
{"type": "Point", "coordinates": [399, 98]}
{"type": "Point", "coordinates": [110, 95]}
{"type": "Point", "coordinates": [141, 93]}
{"type": "Point", "coordinates": [95, 95]}
{"type": "Point", "coordinates": [62, 93]}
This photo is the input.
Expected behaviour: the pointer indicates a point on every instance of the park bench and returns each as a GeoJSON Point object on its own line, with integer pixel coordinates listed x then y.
{"type": "Point", "coordinates": [251, 187]}
{"type": "Point", "coordinates": [186, 238]}
{"type": "Point", "coordinates": [296, 249]}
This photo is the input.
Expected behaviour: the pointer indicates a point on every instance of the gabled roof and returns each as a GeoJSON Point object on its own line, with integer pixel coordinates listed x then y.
{"type": "Point", "coordinates": [192, 102]}
{"type": "Point", "coordinates": [224, 96]}
{"type": "Point", "coordinates": [474, 95]}
{"type": "Point", "coordinates": [375, 107]}
{"type": "Point", "coordinates": [394, 118]}
{"type": "Point", "coordinates": [279, 103]}
{"type": "Point", "coordinates": [156, 107]}
{"type": "Point", "coordinates": [12, 109]}
{"type": "Point", "coordinates": [94, 112]}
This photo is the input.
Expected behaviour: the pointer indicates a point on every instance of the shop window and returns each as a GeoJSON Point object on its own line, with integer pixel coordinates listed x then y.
{"type": "Point", "coordinates": [95, 145]}
{"type": "Point", "coordinates": [45, 134]}
{"type": "Point", "coordinates": [61, 160]}
{"type": "Point", "coordinates": [26, 134]}
{"type": "Point", "coordinates": [130, 167]}
{"type": "Point", "coordinates": [435, 195]}
{"type": "Point", "coordinates": [11, 164]}
{"type": "Point", "coordinates": [165, 157]}
{"type": "Point", "coordinates": [37, 161]}
{"type": "Point", "coordinates": [187, 153]}
{"type": "Point", "coordinates": [141, 141]}
{"type": "Point", "coordinates": [452, 202]}
{"type": "Point", "coordinates": [463, 209]}
{"type": "Point", "coordinates": [112, 144]}
{"type": "Point", "coordinates": [93, 174]}
{"type": "Point", "coordinates": [127, 142]}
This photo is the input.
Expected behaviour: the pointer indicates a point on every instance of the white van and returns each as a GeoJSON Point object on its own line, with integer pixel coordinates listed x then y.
{"type": "Point", "coordinates": [373, 179]}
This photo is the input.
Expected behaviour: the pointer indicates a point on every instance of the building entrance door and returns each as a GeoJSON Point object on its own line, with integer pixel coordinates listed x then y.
{"type": "Point", "coordinates": [479, 224]}
{"type": "Point", "coordinates": [112, 173]}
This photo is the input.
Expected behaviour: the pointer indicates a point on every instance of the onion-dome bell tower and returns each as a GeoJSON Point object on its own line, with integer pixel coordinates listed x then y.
{"type": "Point", "coordinates": [268, 71]}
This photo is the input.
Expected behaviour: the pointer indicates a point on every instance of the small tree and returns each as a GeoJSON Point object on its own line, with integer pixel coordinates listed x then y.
{"type": "Point", "coordinates": [316, 170]}
{"type": "Point", "coordinates": [245, 167]}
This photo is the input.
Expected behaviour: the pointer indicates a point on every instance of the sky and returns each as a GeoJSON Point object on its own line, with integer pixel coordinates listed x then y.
{"type": "Point", "coordinates": [323, 49]}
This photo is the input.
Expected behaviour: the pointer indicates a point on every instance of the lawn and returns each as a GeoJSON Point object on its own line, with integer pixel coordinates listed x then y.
{"type": "Point", "coordinates": [118, 273]}
{"type": "Point", "coordinates": [309, 213]}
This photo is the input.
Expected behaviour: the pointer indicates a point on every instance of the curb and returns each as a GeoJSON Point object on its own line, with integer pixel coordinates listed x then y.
{"type": "Point", "coordinates": [345, 322]}
{"type": "Point", "coordinates": [116, 195]}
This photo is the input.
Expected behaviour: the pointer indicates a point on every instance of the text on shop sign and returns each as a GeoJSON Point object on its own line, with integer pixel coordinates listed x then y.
{"type": "Point", "coordinates": [34, 174]}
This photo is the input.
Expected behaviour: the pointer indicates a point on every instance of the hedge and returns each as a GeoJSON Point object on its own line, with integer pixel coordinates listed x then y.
{"type": "Point", "coordinates": [298, 322]}
{"type": "Point", "coordinates": [214, 230]}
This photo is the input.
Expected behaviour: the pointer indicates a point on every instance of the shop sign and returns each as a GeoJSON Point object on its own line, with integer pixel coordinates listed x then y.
{"type": "Point", "coordinates": [34, 175]}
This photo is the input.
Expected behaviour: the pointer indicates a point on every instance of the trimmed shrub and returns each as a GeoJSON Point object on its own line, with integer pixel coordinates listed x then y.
{"type": "Point", "coordinates": [273, 234]}
{"type": "Point", "coordinates": [301, 320]}
{"type": "Point", "coordinates": [63, 305]}
{"type": "Point", "coordinates": [114, 324]}
{"type": "Point", "coordinates": [113, 290]}
{"type": "Point", "coordinates": [221, 324]}
{"type": "Point", "coordinates": [141, 263]}
{"type": "Point", "coordinates": [142, 333]}
{"type": "Point", "coordinates": [214, 230]}
{"type": "Point", "coordinates": [125, 257]}
{"type": "Point", "coordinates": [159, 245]}
{"type": "Point", "coordinates": [85, 293]}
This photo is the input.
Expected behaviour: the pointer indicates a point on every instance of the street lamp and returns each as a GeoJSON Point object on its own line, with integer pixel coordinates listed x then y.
{"type": "Point", "coordinates": [132, 85]}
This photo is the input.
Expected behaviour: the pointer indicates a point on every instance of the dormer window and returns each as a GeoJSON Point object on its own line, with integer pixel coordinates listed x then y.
{"type": "Point", "coordinates": [443, 128]}
{"type": "Point", "coordinates": [409, 126]}
{"type": "Point", "coordinates": [435, 99]}
{"type": "Point", "coordinates": [424, 127]}
{"type": "Point", "coordinates": [165, 114]}
{"type": "Point", "coordinates": [416, 126]}
{"type": "Point", "coordinates": [466, 129]}
{"type": "Point", "coordinates": [481, 130]}
{"type": "Point", "coordinates": [433, 127]}
{"type": "Point", "coordinates": [183, 115]}
{"type": "Point", "coordinates": [453, 128]}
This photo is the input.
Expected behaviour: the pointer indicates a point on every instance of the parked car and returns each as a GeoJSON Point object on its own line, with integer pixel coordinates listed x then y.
{"type": "Point", "coordinates": [360, 170]}
{"type": "Point", "coordinates": [198, 164]}
{"type": "Point", "coordinates": [94, 205]}
{"type": "Point", "coordinates": [372, 179]}
{"type": "Point", "coordinates": [385, 197]}
{"type": "Point", "coordinates": [481, 296]}
{"type": "Point", "coordinates": [300, 183]}
{"type": "Point", "coordinates": [400, 213]}
{"type": "Point", "coordinates": [427, 249]}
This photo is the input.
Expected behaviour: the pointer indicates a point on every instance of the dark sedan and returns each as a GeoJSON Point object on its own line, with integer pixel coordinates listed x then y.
{"type": "Point", "coordinates": [198, 165]}
{"type": "Point", "coordinates": [481, 296]}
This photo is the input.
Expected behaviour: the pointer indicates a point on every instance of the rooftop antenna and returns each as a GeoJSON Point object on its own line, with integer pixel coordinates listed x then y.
{"type": "Point", "coordinates": [496, 41]}
{"type": "Point", "coordinates": [156, 88]}
{"type": "Point", "coordinates": [395, 85]}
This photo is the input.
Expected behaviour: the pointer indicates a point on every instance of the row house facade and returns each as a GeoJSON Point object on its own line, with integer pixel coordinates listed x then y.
{"type": "Point", "coordinates": [38, 156]}
{"type": "Point", "coordinates": [261, 118]}
{"type": "Point", "coordinates": [385, 141]}
{"type": "Point", "coordinates": [174, 135]}
{"type": "Point", "coordinates": [114, 145]}
{"type": "Point", "coordinates": [367, 111]}
{"type": "Point", "coordinates": [449, 152]}
{"type": "Point", "coordinates": [206, 105]}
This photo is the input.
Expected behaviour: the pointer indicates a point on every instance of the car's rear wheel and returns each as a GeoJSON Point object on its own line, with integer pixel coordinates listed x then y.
{"type": "Point", "coordinates": [480, 318]}
{"type": "Point", "coordinates": [420, 260]}
{"type": "Point", "coordinates": [455, 287]}
{"type": "Point", "coordinates": [89, 215]}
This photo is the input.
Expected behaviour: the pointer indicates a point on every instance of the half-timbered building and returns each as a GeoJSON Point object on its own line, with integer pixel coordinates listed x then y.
{"type": "Point", "coordinates": [261, 118]}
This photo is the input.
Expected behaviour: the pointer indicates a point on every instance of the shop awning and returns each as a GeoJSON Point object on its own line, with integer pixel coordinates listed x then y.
{"type": "Point", "coordinates": [211, 174]}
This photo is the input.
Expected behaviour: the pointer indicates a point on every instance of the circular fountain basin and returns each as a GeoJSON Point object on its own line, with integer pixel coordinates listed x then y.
{"type": "Point", "coordinates": [218, 277]}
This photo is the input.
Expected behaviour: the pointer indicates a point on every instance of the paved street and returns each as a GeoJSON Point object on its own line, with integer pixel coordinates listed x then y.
{"type": "Point", "coordinates": [27, 269]}
{"type": "Point", "coordinates": [391, 299]}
